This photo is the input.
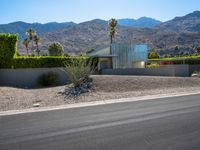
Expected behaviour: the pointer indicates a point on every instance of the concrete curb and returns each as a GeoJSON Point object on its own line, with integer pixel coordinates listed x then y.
{"type": "Point", "coordinates": [96, 103]}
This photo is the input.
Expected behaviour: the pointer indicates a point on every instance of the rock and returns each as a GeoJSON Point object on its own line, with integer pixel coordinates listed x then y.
{"type": "Point", "coordinates": [36, 105]}
{"type": "Point", "coordinates": [195, 75]}
{"type": "Point", "coordinates": [71, 91]}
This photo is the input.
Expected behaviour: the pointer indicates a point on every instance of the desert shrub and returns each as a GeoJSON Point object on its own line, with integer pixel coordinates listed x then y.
{"type": "Point", "coordinates": [152, 65]}
{"type": "Point", "coordinates": [79, 70]}
{"type": "Point", "coordinates": [48, 79]}
{"type": "Point", "coordinates": [8, 48]}
{"type": "Point", "coordinates": [56, 49]}
{"type": "Point", "coordinates": [153, 55]}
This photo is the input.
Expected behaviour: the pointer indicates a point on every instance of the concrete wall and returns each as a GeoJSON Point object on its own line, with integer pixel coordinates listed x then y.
{"type": "Point", "coordinates": [28, 78]}
{"type": "Point", "coordinates": [193, 68]}
{"type": "Point", "coordinates": [167, 70]}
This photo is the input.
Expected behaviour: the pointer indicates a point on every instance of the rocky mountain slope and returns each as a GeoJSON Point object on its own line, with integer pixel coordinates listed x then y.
{"type": "Point", "coordinates": [21, 27]}
{"type": "Point", "coordinates": [188, 23]}
{"type": "Point", "coordinates": [177, 36]}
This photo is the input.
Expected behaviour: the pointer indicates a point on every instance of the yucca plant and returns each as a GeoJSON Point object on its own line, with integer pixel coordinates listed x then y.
{"type": "Point", "coordinates": [79, 70]}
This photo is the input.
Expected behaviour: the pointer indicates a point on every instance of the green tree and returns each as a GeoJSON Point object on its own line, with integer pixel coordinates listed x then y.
{"type": "Point", "coordinates": [25, 42]}
{"type": "Point", "coordinates": [31, 33]}
{"type": "Point", "coordinates": [36, 39]}
{"type": "Point", "coordinates": [56, 49]}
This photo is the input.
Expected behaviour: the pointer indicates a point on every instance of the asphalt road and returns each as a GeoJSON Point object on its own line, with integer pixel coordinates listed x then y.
{"type": "Point", "coordinates": [162, 124]}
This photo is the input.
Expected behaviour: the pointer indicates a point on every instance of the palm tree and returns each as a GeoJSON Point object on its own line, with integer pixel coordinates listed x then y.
{"type": "Point", "coordinates": [25, 42]}
{"type": "Point", "coordinates": [36, 39]}
{"type": "Point", "coordinates": [112, 27]}
{"type": "Point", "coordinates": [30, 32]}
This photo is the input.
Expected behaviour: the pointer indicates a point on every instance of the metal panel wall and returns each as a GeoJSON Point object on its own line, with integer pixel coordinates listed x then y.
{"type": "Point", "coordinates": [126, 55]}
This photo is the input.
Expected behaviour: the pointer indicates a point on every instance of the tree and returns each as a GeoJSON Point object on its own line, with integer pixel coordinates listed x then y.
{"type": "Point", "coordinates": [30, 33]}
{"type": "Point", "coordinates": [36, 39]}
{"type": "Point", "coordinates": [25, 42]}
{"type": "Point", "coordinates": [112, 27]}
{"type": "Point", "coordinates": [56, 49]}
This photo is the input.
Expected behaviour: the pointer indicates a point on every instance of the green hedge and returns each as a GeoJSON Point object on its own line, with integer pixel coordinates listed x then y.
{"type": "Point", "coordinates": [8, 49]}
{"type": "Point", "coordinates": [188, 61]}
{"type": "Point", "coordinates": [42, 62]}
{"type": "Point", "coordinates": [191, 61]}
{"type": "Point", "coordinates": [9, 59]}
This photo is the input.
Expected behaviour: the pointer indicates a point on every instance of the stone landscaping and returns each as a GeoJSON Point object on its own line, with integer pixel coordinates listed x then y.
{"type": "Point", "coordinates": [103, 88]}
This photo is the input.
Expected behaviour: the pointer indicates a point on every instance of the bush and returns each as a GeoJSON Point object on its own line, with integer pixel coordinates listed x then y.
{"type": "Point", "coordinates": [56, 49]}
{"type": "Point", "coordinates": [8, 48]}
{"type": "Point", "coordinates": [48, 79]}
{"type": "Point", "coordinates": [79, 70]}
{"type": "Point", "coordinates": [43, 61]}
{"type": "Point", "coordinates": [152, 65]}
{"type": "Point", "coordinates": [187, 61]}
{"type": "Point", "coordinates": [153, 55]}
{"type": "Point", "coordinates": [10, 59]}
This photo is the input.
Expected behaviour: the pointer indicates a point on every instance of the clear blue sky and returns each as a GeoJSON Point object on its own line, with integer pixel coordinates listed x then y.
{"type": "Point", "coordinates": [83, 10]}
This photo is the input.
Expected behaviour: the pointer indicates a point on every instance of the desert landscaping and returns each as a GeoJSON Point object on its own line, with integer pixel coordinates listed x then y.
{"type": "Point", "coordinates": [103, 88]}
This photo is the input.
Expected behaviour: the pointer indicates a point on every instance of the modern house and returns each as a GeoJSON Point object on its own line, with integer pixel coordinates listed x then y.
{"type": "Point", "coordinates": [121, 56]}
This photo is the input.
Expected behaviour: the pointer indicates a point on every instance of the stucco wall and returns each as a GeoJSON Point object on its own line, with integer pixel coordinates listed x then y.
{"type": "Point", "coordinates": [28, 78]}
{"type": "Point", "coordinates": [167, 70]}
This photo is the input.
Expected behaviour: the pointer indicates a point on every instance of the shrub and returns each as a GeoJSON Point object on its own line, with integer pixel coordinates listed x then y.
{"type": "Point", "coordinates": [152, 65]}
{"type": "Point", "coordinates": [8, 48]}
{"type": "Point", "coordinates": [153, 55]}
{"type": "Point", "coordinates": [48, 79]}
{"type": "Point", "coordinates": [79, 70]}
{"type": "Point", "coordinates": [43, 61]}
{"type": "Point", "coordinates": [187, 61]}
{"type": "Point", "coordinates": [56, 49]}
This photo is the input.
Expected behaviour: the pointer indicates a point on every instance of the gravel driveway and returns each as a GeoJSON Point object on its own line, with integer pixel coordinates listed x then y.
{"type": "Point", "coordinates": [104, 88]}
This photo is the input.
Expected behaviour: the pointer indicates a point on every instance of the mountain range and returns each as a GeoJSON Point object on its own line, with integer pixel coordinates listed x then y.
{"type": "Point", "coordinates": [20, 27]}
{"type": "Point", "coordinates": [143, 22]}
{"type": "Point", "coordinates": [179, 35]}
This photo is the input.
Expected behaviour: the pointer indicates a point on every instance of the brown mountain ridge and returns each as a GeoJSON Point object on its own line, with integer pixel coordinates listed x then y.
{"type": "Point", "coordinates": [178, 36]}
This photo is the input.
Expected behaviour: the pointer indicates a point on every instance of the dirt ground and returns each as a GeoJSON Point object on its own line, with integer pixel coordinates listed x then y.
{"type": "Point", "coordinates": [104, 88]}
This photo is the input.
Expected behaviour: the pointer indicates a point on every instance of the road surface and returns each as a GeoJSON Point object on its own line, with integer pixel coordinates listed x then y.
{"type": "Point", "coordinates": [161, 124]}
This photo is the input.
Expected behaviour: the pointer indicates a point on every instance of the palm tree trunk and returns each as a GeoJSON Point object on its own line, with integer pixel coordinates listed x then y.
{"type": "Point", "coordinates": [38, 50]}
{"type": "Point", "coordinates": [27, 51]}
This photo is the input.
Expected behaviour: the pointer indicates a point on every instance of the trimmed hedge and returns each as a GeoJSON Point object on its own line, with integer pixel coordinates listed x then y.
{"type": "Point", "coordinates": [8, 49]}
{"type": "Point", "coordinates": [188, 61]}
{"type": "Point", "coordinates": [9, 59]}
{"type": "Point", "coordinates": [42, 62]}
{"type": "Point", "coordinates": [191, 61]}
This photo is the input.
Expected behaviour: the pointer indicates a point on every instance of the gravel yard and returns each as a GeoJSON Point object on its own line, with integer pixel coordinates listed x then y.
{"type": "Point", "coordinates": [104, 88]}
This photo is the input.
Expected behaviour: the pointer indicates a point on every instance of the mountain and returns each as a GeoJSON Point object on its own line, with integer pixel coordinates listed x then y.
{"type": "Point", "coordinates": [187, 23]}
{"type": "Point", "coordinates": [94, 34]}
{"type": "Point", "coordinates": [88, 35]}
{"type": "Point", "coordinates": [21, 27]}
{"type": "Point", "coordinates": [172, 37]}
{"type": "Point", "coordinates": [143, 22]}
